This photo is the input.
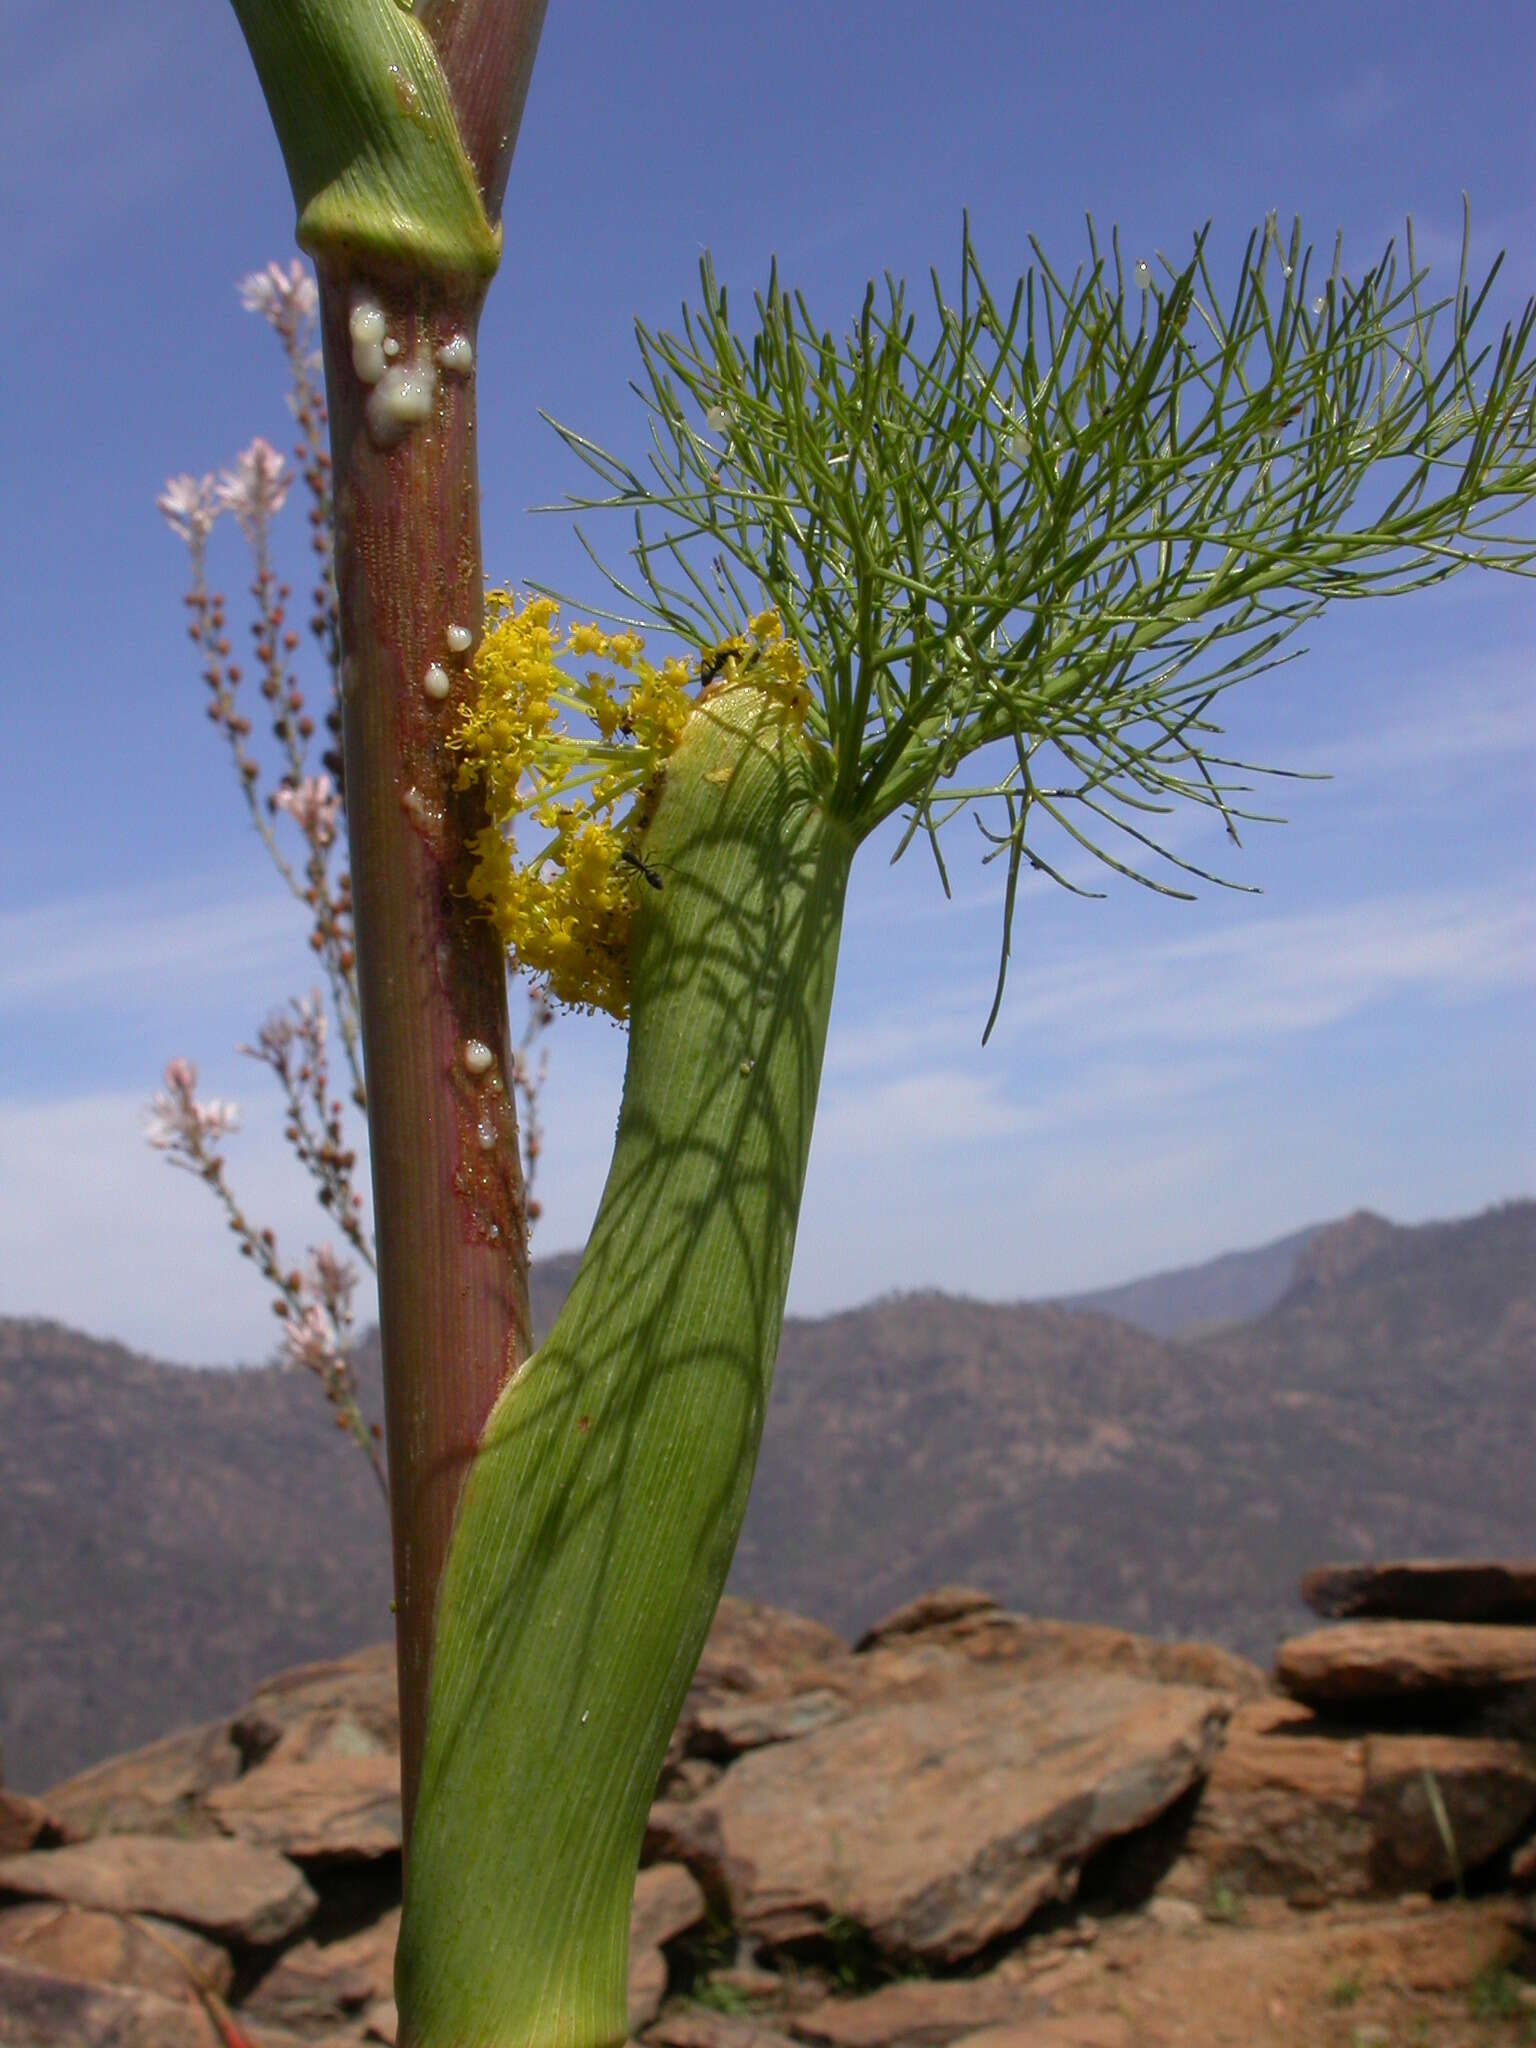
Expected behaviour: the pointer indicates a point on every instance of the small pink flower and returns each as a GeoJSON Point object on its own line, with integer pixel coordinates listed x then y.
{"type": "Point", "coordinates": [256, 488]}
{"type": "Point", "coordinates": [281, 296]}
{"type": "Point", "coordinates": [308, 1340]}
{"type": "Point", "coordinates": [313, 806]}
{"type": "Point", "coordinates": [190, 505]}
{"type": "Point", "coordinates": [178, 1122]}
{"type": "Point", "coordinates": [334, 1280]}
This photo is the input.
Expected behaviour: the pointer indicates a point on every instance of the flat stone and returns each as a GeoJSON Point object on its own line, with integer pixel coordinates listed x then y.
{"type": "Point", "coordinates": [938, 1609]}
{"type": "Point", "coordinates": [1486, 1787]}
{"type": "Point", "coordinates": [340, 1806]}
{"type": "Point", "coordinates": [315, 1985]}
{"type": "Point", "coordinates": [24, 1823]}
{"type": "Point", "coordinates": [917, 2012]}
{"type": "Point", "coordinates": [109, 1948]}
{"type": "Point", "coordinates": [939, 1825]}
{"type": "Point", "coordinates": [1426, 1589]}
{"type": "Point", "coordinates": [1055, 2030]}
{"type": "Point", "coordinates": [667, 1903]}
{"type": "Point", "coordinates": [1029, 1647]}
{"type": "Point", "coordinates": [755, 1654]}
{"type": "Point", "coordinates": [344, 1707]}
{"type": "Point", "coordinates": [41, 2009]}
{"type": "Point", "coordinates": [1364, 1664]}
{"type": "Point", "coordinates": [1282, 1810]}
{"type": "Point", "coordinates": [699, 2028]}
{"type": "Point", "coordinates": [227, 1889]}
{"type": "Point", "coordinates": [728, 1727]}
{"type": "Point", "coordinates": [157, 1790]}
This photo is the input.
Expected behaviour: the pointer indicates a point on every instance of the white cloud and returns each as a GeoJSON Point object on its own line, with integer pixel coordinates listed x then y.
{"type": "Point", "coordinates": [98, 1231]}
{"type": "Point", "coordinates": [141, 947]}
{"type": "Point", "coordinates": [1290, 974]}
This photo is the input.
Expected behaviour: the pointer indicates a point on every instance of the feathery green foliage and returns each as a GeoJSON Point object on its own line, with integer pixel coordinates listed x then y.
{"type": "Point", "coordinates": [1050, 531]}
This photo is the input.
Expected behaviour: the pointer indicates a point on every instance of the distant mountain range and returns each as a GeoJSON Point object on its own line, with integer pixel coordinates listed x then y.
{"type": "Point", "coordinates": [1168, 1456]}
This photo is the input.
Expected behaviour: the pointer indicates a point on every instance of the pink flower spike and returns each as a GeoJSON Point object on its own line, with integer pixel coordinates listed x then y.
{"type": "Point", "coordinates": [256, 489]}
{"type": "Point", "coordinates": [178, 1122]}
{"type": "Point", "coordinates": [334, 1280]}
{"type": "Point", "coordinates": [189, 506]}
{"type": "Point", "coordinates": [314, 807]}
{"type": "Point", "coordinates": [308, 1341]}
{"type": "Point", "coordinates": [280, 295]}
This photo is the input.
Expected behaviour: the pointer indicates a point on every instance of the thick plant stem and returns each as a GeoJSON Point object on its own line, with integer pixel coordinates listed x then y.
{"type": "Point", "coordinates": [397, 128]}
{"type": "Point", "coordinates": [448, 1191]}
{"type": "Point", "coordinates": [598, 1523]}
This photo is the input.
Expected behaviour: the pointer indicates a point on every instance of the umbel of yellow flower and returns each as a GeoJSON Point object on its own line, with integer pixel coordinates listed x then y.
{"type": "Point", "coordinates": [573, 761]}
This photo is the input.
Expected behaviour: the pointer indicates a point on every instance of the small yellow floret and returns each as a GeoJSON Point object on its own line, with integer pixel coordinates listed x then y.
{"type": "Point", "coordinates": [565, 911]}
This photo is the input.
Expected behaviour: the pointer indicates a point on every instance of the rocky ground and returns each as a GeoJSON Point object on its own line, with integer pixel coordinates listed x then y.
{"type": "Point", "coordinates": [971, 1826]}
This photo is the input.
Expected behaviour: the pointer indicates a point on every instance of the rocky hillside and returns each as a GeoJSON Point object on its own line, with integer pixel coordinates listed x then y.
{"type": "Point", "coordinates": [972, 1827]}
{"type": "Point", "coordinates": [168, 1536]}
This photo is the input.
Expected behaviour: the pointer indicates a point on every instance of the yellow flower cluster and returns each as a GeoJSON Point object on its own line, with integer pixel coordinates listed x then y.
{"type": "Point", "coordinates": [564, 911]}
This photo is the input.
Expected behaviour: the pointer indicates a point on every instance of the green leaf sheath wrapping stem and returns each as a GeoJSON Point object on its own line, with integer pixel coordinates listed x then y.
{"type": "Point", "coordinates": [370, 138]}
{"type": "Point", "coordinates": [598, 1523]}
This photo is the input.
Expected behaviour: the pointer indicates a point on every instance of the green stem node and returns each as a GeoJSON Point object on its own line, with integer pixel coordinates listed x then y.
{"type": "Point", "coordinates": [598, 1523]}
{"type": "Point", "coordinates": [370, 136]}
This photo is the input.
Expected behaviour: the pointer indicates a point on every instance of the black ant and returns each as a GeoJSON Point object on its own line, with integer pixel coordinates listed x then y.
{"type": "Point", "coordinates": [630, 859]}
{"type": "Point", "coordinates": [711, 664]}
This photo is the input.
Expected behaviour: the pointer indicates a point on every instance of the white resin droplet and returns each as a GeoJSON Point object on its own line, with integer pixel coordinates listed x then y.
{"type": "Point", "coordinates": [477, 1057]}
{"type": "Point", "coordinates": [436, 684]}
{"type": "Point", "coordinates": [459, 638]}
{"type": "Point", "coordinates": [401, 399]}
{"type": "Point", "coordinates": [486, 1133]}
{"type": "Point", "coordinates": [366, 326]}
{"type": "Point", "coordinates": [457, 355]}
{"type": "Point", "coordinates": [717, 418]}
{"type": "Point", "coordinates": [391, 347]}
{"type": "Point", "coordinates": [1144, 273]}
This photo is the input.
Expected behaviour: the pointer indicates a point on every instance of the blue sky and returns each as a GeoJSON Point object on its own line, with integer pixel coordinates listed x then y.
{"type": "Point", "coordinates": [1168, 1080]}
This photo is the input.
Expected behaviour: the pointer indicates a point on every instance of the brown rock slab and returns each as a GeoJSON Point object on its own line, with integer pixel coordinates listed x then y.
{"type": "Point", "coordinates": [1426, 1589]}
{"type": "Point", "coordinates": [228, 1889]}
{"type": "Point", "coordinates": [1486, 1789]}
{"type": "Point", "coordinates": [157, 1790]}
{"type": "Point", "coordinates": [110, 1948]}
{"type": "Point", "coordinates": [345, 1707]}
{"type": "Point", "coordinates": [1364, 1664]}
{"type": "Point", "coordinates": [754, 1648]}
{"type": "Point", "coordinates": [342, 1806]}
{"type": "Point", "coordinates": [381, 2022]}
{"type": "Point", "coordinates": [916, 2013]}
{"type": "Point", "coordinates": [667, 1903]}
{"type": "Point", "coordinates": [728, 1727]}
{"type": "Point", "coordinates": [754, 1654]}
{"type": "Point", "coordinates": [929, 1611]}
{"type": "Point", "coordinates": [1028, 1647]}
{"type": "Point", "coordinates": [1056, 2030]}
{"type": "Point", "coordinates": [323, 1985]}
{"type": "Point", "coordinates": [41, 2009]}
{"type": "Point", "coordinates": [702, 2029]}
{"type": "Point", "coordinates": [24, 1823]}
{"type": "Point", "coordinates": [939, 1825]}
{"type": "Point", "coordinates": [1282, 1810]}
